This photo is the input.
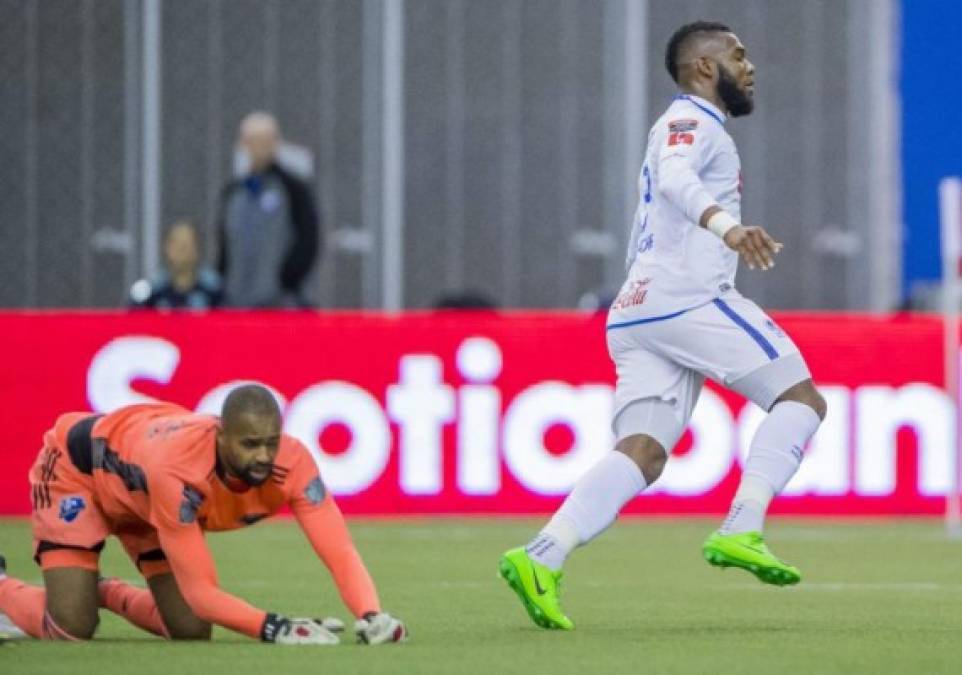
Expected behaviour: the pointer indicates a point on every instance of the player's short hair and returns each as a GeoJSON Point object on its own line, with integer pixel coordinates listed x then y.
{"type": "Point", "coordinates": [249, 398]}
{"type": "Point", "coordinates": [682, 36]}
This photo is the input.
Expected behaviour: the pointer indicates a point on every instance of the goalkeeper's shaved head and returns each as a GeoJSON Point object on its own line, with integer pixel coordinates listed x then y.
{"type": "Point", "coordinates": [249, 437]}
{"type": "Point", "coordinates": [249, 399]}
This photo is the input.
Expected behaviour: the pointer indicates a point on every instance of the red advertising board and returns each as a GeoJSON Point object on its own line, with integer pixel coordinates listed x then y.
{"type": "Point", "coordinates": [487, 413]}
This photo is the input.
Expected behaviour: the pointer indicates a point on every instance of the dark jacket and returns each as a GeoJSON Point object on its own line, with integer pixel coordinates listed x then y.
{"type": "Point", "coordinates": [303, 243]}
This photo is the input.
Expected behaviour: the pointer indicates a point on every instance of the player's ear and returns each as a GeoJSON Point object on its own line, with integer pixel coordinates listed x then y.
{"type": "Point", "coordinates": [707, 67]}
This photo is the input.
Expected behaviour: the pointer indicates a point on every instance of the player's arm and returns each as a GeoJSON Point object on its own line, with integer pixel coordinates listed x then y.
{"type": "Point", "coordinates": [322, 522]}
{"type": "Point", "coordinates": [753, 243]}
{"type": "Point", "coordinates": [324, 526]}
{"type": "Point", "coordinates": [683, 154]}
{"type": "Point", "coordinates": [174, 507]}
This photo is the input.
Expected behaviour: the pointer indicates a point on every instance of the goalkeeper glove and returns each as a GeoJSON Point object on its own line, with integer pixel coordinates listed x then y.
{"type": "Point", "coordinates": [376, 628]}
{"type": "Point", "coordinates": [283, 631]}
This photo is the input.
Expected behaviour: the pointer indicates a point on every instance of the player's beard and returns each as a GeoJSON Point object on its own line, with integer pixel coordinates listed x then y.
{"type": "Point", "coordinates": [247, 474]}
{"type": "Point", "coordinates": [737, 101]}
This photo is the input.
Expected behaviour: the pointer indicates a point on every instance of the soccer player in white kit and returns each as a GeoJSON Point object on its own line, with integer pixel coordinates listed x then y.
{"type": "Point", "coordinates": [677, 320]}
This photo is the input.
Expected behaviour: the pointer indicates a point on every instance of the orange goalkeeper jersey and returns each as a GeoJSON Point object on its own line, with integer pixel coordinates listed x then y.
{"type": "Point", "coordinates": [156, 464]}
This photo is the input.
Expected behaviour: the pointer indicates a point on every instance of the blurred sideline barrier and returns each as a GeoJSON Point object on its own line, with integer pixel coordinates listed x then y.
{"type": "Point", "coordinates": [436, 413]}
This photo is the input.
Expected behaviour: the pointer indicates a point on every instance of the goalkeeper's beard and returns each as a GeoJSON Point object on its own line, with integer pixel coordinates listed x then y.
{"type": "Point", "coordinates": [245, 473]}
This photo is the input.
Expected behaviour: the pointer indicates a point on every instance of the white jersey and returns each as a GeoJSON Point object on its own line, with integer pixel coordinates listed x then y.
{"type": "Point", "coordinates": [691, 164]}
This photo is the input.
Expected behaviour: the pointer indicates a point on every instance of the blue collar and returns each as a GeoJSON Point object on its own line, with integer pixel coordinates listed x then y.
{"type": "Point", "coordinates": [707, 107]}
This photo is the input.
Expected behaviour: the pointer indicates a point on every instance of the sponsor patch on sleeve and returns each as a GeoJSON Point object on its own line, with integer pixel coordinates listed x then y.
{"type": "Point", "coordinates": [678, 126]}
{"type": "Point", "coordinates": [190, 505]}
{"type": "Point", "coordinates": [314, 492]}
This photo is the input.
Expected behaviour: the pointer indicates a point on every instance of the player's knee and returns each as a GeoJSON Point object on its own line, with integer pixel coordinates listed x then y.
{"type": "Point", "coordinates": [77, 623]}
{"type": "Point", "coordinates": [819, 404]}
{"type": "Point", "coordinates": [647, 453]}
{"type": "Point", "coordinates": [194, 629]}
{"type": "Point", "coordinates": [806, 394]}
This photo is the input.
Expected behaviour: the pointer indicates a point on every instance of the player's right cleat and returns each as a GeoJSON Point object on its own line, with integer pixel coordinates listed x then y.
{"type": "Point", "coordinates": [3, 567]}
{"type": "Point", "coordinates": [537, 587]}
{"type": "Point", "coordinates": [748, 551]}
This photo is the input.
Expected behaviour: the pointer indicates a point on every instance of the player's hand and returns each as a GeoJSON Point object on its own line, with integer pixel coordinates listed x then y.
{"type": "Point", "coordinates": [332, 623]}
{"type": "Point", "coordinates": [376, 628]}
{"type": "Point", "coordinates": [754, 245]}
{"type": "Point", "coordinates": [305, 632]}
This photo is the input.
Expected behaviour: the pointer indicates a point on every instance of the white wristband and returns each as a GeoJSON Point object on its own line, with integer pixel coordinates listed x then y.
{"type": "Point", "coordinates": [720, 223]}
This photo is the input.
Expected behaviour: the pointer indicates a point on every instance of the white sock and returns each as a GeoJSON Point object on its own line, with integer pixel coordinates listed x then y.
{"type": "Point", "coordinates": [591, 507]}
{"type": "Point", "coordinates": [773, 459]}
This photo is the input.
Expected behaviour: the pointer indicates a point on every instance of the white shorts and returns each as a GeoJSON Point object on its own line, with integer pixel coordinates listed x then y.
{"type": "Point", "coordinates": [667, 358]}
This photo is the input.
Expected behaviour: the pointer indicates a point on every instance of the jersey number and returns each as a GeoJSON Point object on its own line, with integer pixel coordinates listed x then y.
{"type": "Point", "coordinates": [681, 137]}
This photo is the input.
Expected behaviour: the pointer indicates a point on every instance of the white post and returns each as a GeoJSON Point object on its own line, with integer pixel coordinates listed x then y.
{"type": "Point", "coordinates": [150, 138]}
{"type": "Point", "coordinates": [950, 199]}
{"type": "Point", "coordinates": [392, 156]}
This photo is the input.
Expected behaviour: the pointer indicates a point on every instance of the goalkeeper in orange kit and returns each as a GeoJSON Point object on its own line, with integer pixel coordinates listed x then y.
{"type": "Point", "coordinates": [157, 476]}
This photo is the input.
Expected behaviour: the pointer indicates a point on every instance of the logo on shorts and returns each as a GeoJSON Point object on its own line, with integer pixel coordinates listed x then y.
{"type": "Point", "coordinates": [70, 508]}
{"type": "Point", "coordinates": [314, 492]}
{"type": "Point", "coordinates": [773, 327]}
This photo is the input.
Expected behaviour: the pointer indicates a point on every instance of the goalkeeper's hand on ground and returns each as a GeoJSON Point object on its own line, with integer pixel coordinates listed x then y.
{"type": "Point", "coordinates": [283, 631]}
{"type": "Point", "coordinates": [376, 628]}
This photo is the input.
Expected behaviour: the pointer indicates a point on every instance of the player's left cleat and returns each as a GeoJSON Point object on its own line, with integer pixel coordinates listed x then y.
{"type": "Point", "coordinates": [8, 629]}
{"type": "Point", "coordinates": [748, 551]}
{"type": "Point", "coordinates": [537, 586]}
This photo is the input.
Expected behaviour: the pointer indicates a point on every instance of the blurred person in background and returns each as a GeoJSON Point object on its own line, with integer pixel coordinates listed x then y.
{"type": "Point", "coordinates": [185, 283]}
{"type": "Point", "coordinates": [268, 225]}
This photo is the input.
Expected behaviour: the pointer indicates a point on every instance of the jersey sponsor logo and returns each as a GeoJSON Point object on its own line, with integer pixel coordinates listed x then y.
{"type": "Point", "coordinates": [191, 504]}
{"type": "Point", "coordinates": [676, 126]}
{"type": "Point", "coordinates": [70, 508]}
{"type": "Point", "coordinates": [315, 491]}
{"type": "Point", "coordinates": [634, 295]}
{"type": "Point", "coordinates": [680, 138]}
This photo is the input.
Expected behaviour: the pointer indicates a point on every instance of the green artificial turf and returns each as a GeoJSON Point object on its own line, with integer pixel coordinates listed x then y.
{"type": "Point", "coordinates": [882, 596]}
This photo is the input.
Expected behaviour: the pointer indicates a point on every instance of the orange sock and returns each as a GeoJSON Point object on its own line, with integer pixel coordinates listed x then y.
{"type": "Point", "coordinates": [137, 605]}
{"type": "Point", "coordinates": [25, 605]}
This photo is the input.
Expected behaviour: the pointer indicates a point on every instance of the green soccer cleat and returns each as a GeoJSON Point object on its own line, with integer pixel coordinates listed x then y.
{"type": "Point", "coordinates": [748, 551]}
{"type": "Point", "coordinates": [537, 586]}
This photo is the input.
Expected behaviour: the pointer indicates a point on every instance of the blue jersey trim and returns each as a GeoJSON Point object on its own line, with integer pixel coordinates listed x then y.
{"type": "Point", "coordinates": [747, 327]}
{"type": "Point", "coordinates": [652, 319]}
{"type": "Point", "coordinates": [707, 111]}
